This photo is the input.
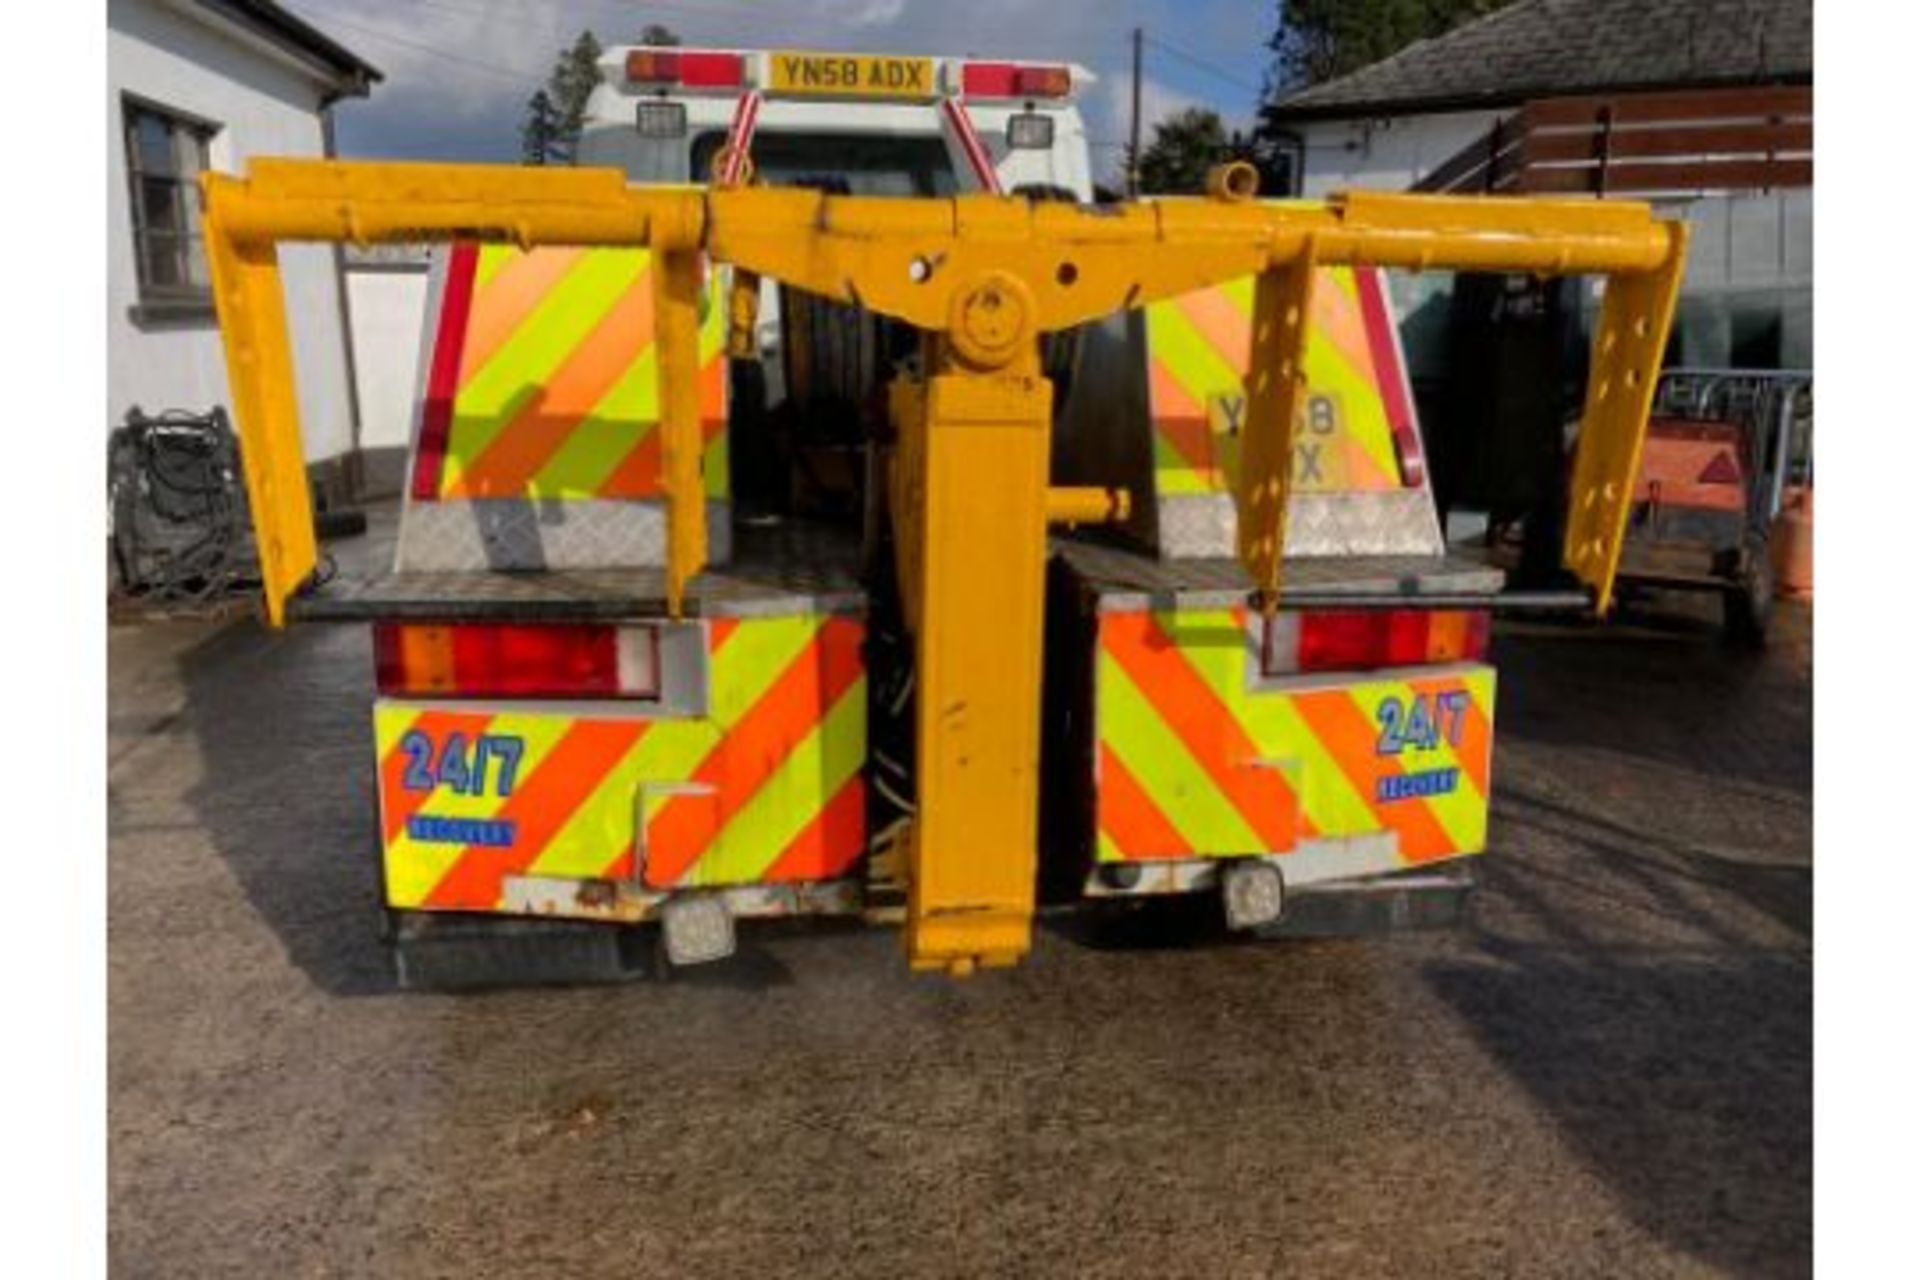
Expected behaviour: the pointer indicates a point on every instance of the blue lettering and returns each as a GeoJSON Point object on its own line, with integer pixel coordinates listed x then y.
{"type": "Point", "coordinates": [1410, 786]}
{"type": "Point", "coordinates": [460, 770]}
{"type": "Point", "coordinates": [418, 748]}
{"type": "Point", "coordinates": [473, 831]}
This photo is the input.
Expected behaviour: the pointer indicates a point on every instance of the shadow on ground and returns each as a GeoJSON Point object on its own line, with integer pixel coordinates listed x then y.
{"type": "Point", "coordinates": [1677, 1079]}
{"type": "Point", "coordinates": [287, 789]}
{"type": "Point", "coordinates": [1622, 1044]}
{"type": "Point", "coordinates": [1643, 963]}
{"type": "Point", "coordinates": [1694, 702]}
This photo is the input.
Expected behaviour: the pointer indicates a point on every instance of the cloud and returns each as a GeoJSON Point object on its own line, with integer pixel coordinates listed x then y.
{"type": "Point", "coordinates": [1157, 102]}
{"type": "Point", "coordinates": [863, 13]}
{"type": "Point", "coordinates": [1110, 109]}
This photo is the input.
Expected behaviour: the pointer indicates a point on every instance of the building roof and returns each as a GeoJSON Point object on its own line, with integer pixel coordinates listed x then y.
{"type": "Point", "coordinates": [1548, 48]}
{"type": "Point", "coordinates": [352, 75]}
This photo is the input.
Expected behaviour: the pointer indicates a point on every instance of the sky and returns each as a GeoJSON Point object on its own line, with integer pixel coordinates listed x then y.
{"type": "Point", "coordinates": [459, 72]}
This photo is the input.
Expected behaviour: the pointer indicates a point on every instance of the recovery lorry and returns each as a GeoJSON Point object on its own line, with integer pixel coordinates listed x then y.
{"type": "Point", "coordinates": [818, 505]}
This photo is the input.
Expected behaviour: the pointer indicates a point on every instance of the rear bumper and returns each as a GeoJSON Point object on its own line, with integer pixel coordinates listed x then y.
{"type": "Point", "coordinates": [1438, 897]}
{"type": "Point", "coordinates": [625, 901]}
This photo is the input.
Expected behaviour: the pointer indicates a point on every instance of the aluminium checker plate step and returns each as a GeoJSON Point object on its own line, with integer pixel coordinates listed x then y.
{"type": "Point", "coordinates": [1126, 580]}
{"type": "Point", "coordinates": [793, 568]}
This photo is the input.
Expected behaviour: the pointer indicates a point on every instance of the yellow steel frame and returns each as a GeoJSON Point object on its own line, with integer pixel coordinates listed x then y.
{"type": "Point", "coordinates": [983, 276]}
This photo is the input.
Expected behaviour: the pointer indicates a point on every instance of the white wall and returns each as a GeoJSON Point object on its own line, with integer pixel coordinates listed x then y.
{"type": "Point", "coordinates": [1384, 155]}
{"type": "Point", "coordinates": [388, 306]}
{"type": "Point", "coordinates": [264, 108]}
{"type": "Point", "coordinates": [1749, 271]}
{"type": "Point", "coordinates": [1749, 261]}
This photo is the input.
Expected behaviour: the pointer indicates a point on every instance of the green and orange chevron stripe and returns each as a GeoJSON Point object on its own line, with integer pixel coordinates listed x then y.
{"type": "Point", "coordinates": [1197, 350]}
{"type": "Point", "coordinates": [1195, 759]}
{"type": "Point", "coordinates": [765, 788]}
{"type": "Point", "coordinates": [545, 382]}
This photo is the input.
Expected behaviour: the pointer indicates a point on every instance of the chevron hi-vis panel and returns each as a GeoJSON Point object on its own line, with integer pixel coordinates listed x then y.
{"type": "Point", "coordinates": [1358, 399]}
{"type": "Point", "coordinates": [764, 788]}
{"type": "Point", "coordinates": [1196, 760]}
{"type": "Point", "coordinates": [544, 382]}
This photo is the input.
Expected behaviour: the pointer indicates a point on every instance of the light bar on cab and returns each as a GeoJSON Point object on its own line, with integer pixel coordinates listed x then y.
{"type": "Point", "coordinates": [688, 69]}
{"type": "Point", "coordinates": [1012, 80]}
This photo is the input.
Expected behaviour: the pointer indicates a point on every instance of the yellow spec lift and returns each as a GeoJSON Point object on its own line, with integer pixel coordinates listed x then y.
{"type": "Point", "coordinates": [983, 277]}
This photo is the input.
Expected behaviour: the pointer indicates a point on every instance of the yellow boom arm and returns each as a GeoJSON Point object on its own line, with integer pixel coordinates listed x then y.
{"type": "Point", "coordinates": [1049, 267]}
{"type": "Point", "coordinates": [984, 277]}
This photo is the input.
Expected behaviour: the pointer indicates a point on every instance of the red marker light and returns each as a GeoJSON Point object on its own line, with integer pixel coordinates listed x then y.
{"type": "Point", "coordinates": [487, 660]}
{"type": "Point", "coordinates": [691, 69]}
{"type": "Point", "coordinates": [1009, 80]}
{"type": "Point", "coordinates": [1366, 639]}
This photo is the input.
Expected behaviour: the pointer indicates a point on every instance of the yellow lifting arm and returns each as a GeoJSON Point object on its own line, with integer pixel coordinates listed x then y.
{"type": "Point", "coordinates": [366, 203]}
{"type": "Point", "coordinates": [1052, 266]}
{"type": "Point", "coordinates": [984, 277]}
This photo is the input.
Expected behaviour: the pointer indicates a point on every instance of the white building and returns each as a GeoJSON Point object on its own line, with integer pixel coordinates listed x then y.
{"type": "Point", "coordinates": [195, 85]}
{"type": "Point", "coordinates": [1703, 107]}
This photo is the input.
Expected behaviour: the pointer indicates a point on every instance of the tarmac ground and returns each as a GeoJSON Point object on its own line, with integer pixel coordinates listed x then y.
{"type": "Point", "coordinates": [1607, 1072]}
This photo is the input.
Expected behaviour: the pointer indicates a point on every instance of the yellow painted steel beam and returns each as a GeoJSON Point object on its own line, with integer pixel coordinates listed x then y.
{"type": "Point", "coordinates": [371, 202]}
{"type": "Point", "coordinates": [984, 277]}
{"type": "Point", "coordinates": [1629, 341]}
{"type": "Point", "coordinates": [743, 315]}
{"type": "Point", "coordinates": [676, 312]}
{"type": "Point", "coordinates": [971, 475]}
{"type": "Point", "coordinates": [919, 261]}
{"type": "Point", "coordinates": [366, 203]}
{"type": "Point", "coordinates": [911, 259]}
{"type": "Point", "coordinates": [253, 328]}
{"type": "Point", "coordinates": [1088, 504]}
{"type": "Point", "coordinates": [1276, 393]}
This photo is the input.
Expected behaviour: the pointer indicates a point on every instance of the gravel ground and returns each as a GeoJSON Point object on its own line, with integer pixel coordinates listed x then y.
{"type": "Point", "coordinates": [1609, 1072]}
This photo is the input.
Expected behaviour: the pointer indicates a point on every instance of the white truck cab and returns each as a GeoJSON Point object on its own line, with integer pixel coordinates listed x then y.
{"type": "Point", "coordinates": [851, 124]}
{"type": "Point", "coordinates": [925, 126]}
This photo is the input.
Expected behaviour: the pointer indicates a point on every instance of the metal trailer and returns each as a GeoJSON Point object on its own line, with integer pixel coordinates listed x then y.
{"type": "Point", "coordinates": [609, 700]}
{"type": "Point", "coordinates": [1724, 446]}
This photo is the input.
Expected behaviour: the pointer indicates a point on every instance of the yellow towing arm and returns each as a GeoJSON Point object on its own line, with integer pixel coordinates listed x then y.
{"type": "Point", "coordinates": [983, 276]}
{"type": "Point", "coordinates": [1053, 266]}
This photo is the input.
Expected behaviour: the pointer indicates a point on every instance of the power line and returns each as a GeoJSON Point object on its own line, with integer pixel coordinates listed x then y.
{"type": "Point", "coordinates": [519, 77]}
{"type": "Point", "coordinates": [552, 27]}
{"type": "Point", "coordinates": [704, 9]}
{"type": "Point", "coordinates": [511, 13]}
{"type": "Point", "coordinates": [728, 12]}
{"type": "Point", "coordinates": [1212, 68]}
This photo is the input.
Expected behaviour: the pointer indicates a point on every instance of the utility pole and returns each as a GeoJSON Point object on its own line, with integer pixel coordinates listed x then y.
{"type": "Point", "coordinates": [1133, 133]}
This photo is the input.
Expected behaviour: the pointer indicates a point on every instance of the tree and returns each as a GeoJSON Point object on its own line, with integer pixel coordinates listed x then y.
{"type": "Point", "coordinates": [541, 129]}
{"type": "Point", "coordinates": [550, 134]}
{"type": "Point", "coordinates": [1188, 143]}
{"type": "Point", "coordinates": [556, 113]}
{"type": "Point", "coordinates": [1316, 40]}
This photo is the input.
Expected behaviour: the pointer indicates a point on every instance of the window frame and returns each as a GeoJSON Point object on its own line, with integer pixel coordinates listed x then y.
{"type": "Point", "coordinates": [188, 296]}
{"type": "Point", "coordinates": [927, 182]}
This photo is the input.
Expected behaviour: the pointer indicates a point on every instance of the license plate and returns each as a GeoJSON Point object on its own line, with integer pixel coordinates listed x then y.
{"type": "Point", "coordinates": [845, 75]}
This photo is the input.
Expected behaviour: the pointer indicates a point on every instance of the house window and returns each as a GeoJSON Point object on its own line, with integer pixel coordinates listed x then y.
{"type": "Point", "coordinates": [166, 154]}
